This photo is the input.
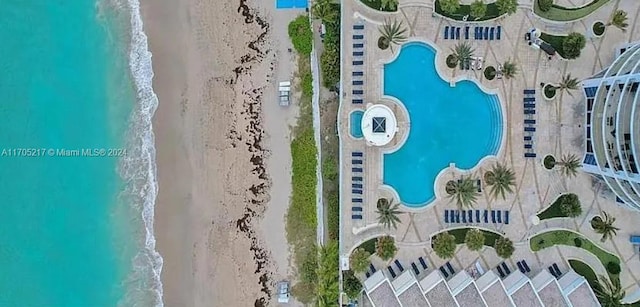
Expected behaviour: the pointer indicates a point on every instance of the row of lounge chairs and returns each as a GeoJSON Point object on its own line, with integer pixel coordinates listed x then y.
{"type": "Point", "coordinates": [555, 271]}
{"type": "Point", "coordinates": [529, 122]}
{"type": "Point", "coordinates": [356, 185]}
{"type": "Point", "coordinates": [481, 216]}
{"type": "Point", "coordinates": [449, 268]}
{"type": "Point", "coordinates": [503, 270]}
{"type": "Point", "coordinates": [479, 33]}
{"type": "Point", "coordinates": [523, 267]}
{"type": "Point", "coordinates": [370, 271]}
{"type": "Point", "coordinates": [358, 61]}
{"type": "Point", "coordinates": [392, 272]}
{"type": "Point", "coordinates": [422, 263]}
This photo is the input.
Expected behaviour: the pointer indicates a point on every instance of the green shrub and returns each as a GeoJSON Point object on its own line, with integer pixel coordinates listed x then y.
{"type": "Point", "coordinates": [478, 9]}
{"type": "Point", "coordinates": [351, 283]}
{"type": "Point", "coordinates": [301, 35]}
{"type": "Point", "coordinates": [504, 247]}
{"type": "Point", "coordinates": [613, 268]}
{"type": "Point", "coordinates": [572, 45]}
{"type": "Point", "coordinates": [490, 72]}
{"type": "Point", "coordinates": [545, 5]}
{"type": "Point", "coordinates": [577, 242]}
{"type": "Point", "coordinates": [474, 239]}
{"type": "Point", "coordinates": [369, 245]}
{"type": "Point", "coordinates": [328, 276]}
{"type": "Point", "coordinates": [444, 244]}
{"type": "Point", "coordinates": [359, 260]}
{"type": "Point", "coordinates": [386, 247]}
{"type": "Point", "coordinates": [330, 64]}
{"type": "Point", "coordinates": [570, 205]}
{"type": "Point", "coordinates": [549, 160]}
{"type": "Point", "coordinates": [333, 214]}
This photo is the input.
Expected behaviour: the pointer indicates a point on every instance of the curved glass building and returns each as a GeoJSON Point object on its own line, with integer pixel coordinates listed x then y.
{"type": "Point", "coordinates": [613, 126]}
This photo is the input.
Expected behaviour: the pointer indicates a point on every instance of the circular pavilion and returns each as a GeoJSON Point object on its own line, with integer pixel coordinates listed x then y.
{"type": "Point", "coordinates": [379, 125]}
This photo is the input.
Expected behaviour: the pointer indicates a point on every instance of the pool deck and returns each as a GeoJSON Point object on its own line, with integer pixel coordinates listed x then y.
{"type": "Point", "coordinates": [558, 131]}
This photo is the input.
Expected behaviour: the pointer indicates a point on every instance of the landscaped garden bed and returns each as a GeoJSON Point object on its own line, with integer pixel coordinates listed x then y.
{"type": "Point", "coordinates": [561, 13]}
{"type": "Point", "coordinates": [563, 206]}
{"type": "Point", "coordinates": [490, 72]}
{"type": "Point", "coordinates": [549, 91]}
{"type": "Point", "coordinates": [549, 162]}
{"type": "Point", "coordinates": [585, 271]}
{"type": "Point", "coordinates": [465, 10]}
{"type": "Point", "coordinates": [598, 28]}
{"type": "Point", "coordinates": [564, 237]}
{"type": "Point", "coordinates": [377, 5]}
{"type": "Point", "coordinates": [567, 46]}
{"type": "Point", "coordinates": [490, 237]}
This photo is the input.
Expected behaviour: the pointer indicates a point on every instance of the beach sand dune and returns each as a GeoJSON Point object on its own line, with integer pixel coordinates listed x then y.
{"type": "Point", "coordinates": [213, 63]}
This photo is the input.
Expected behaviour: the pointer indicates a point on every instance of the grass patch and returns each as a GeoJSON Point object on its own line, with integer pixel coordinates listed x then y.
{"type": "Point", "coordinates": [555, 41]}
{"type": "Point", "coordinates": [465, 9]}
{"type": "Point", "coordinates": [585, 271]}
{"type": "Point", "coordinates": [301, 215]}
{"type": "Point", "coordinates": [376, 5]}
{"type": "Point", "coordinates": [561, 13]}
{"type": "Point", "coordinates": [369, 245]}
{"type": "Point", "coordinates": [553, 211]}
{"type": "Point", "coordinates": [564, 237]}
{"type": "Point", "coordinates": [490, 237]}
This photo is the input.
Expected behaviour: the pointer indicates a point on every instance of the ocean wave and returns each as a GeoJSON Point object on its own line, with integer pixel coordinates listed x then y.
{"type": "Point", "coordinates": [138, 169]}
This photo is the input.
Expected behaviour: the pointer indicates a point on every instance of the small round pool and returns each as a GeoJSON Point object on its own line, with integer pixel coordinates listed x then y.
{"type": "Point", "coordinates": [460, 124]}
{"type": "Point", "coordinates": [355, 120]}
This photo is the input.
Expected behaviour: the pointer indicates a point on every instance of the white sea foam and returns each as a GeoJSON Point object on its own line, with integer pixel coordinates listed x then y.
{"type": "Point", "coordinates": [139, 168]}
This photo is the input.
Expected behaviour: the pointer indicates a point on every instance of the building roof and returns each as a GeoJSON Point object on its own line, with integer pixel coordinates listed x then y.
{"type": "Point", "coordinates": [551, 296]}
{"type": "Point", "coordinates": [470, 297]}
{"type": "Point", "coordinates": [583, 297]}
{"type": "Point", "coordinates": [442, 295]}
{"type": "Point", "coordinates": [526, 296]}
{"type": "Point", "coordinates": [413, 296]}
{"type": "Point", "coordinates": [496, 296]}
{"type": "Point", "coordinates": [383, 295]}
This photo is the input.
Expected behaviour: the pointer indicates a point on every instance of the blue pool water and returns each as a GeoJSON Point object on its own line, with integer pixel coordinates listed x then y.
{"type": "Point", "coordinates": [460, 124]}
{"type": "Point", "coordinates": [355, 123]}
{"type": "Point", "coordinates": [291, 4]}
{"type": "Point", "coordinates": [76, 230]}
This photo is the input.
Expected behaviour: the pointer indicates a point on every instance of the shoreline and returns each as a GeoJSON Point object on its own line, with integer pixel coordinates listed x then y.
{"type": "Point", "coordinates": [223, 156]}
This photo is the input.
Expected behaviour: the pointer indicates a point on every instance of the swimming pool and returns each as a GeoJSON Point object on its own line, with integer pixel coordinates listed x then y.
{"type": "Point", "coordinates": [460, 124]}
{"type": "Point", "coordinates": [355, 123]}
{"type": "Point", "coordinates": [291, 4]}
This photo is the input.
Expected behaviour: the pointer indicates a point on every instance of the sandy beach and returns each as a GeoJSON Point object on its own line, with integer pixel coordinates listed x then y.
{"type": "Point", "coordinates": [222, 149]}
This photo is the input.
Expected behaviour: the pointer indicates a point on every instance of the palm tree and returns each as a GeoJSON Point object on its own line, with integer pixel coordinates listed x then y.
{"type": "Point", "coordinates": [568, 84]}
{"type": "Point", "coordinates": [619, 20]}
{"type": "Point", "coordinates": [322, 10]}
{"type": "Point", "coordinates": [604, 225]}
{"type": "Point", "coordinates": [509, 69]}
{"type": "Point", "coordinates": [465, 192]}
{"type": "Point", "coordinates": [478, 9]}
{"type": "Point", "coordinates": [449, 6]}
{"type": "Point", "coordinates": [610, 294]}
{"type": "Point", "coordinates": [388, 214]}
{"type": "Point", "coordinates": [393, 33]}
{"type": "Point", "coordinates": [507, 6]}
{"type": "Point", "coordinates": [462, 52]}
{"type": "Point", "coordinates": [390, 5]}
{"type": "Point", "coordinates": [569, 165]}
{"type": "Point", "coordinates": [501, 179]}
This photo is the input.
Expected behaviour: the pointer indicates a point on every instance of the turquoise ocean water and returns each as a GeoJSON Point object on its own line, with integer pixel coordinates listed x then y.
{"type": "Point", "coordinates": [76, 230]}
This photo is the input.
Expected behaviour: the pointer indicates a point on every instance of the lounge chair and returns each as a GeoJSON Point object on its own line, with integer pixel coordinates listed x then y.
{"type": "Point", "coordinates": [528, 146]}
{"type": "Point", "coordinates": [391, 271]}
{"type": "Point", "coordinates": [527, 138]}
{"type": "Point", "coordinates": [529, 111]}
{"type": "Point", "coordinates": [530, 121]}
{"type": "Point", "coordinates": [464, 217]}
{"type": "Point", "coordinates": [525, 266]}
{"type": "Point", "coordinates": [486, 216]}
{"type": "Point", "coordinates": [520, 267]}
{"type": "Point", "coordinates": [356, 216]}
{"type": "Point", "coordinates": [457, 216]}
{"type": "Point", "coordinates": [477, 216]}
{"type": "Point", "coordinates": [356, 200]}
{"type": "Point", "coordinates": [356, 154]}
{"type": "Point", "coordinates": [446, 32]}
{"type": "Point", "coordinates": [356, 191]}
{"type": "Point", "coordinates": [358, 36]}
{"type": "Point", "coordinates": [448, 264]}
{"type": "Point", "coordinates": [479, 184]}
{"type": "Point", "coordinates": [479, 33]}
{"type": "Point", "coordinates": [357, 74]}
{"type": "Point", "coordinates": [444, 272]}
{"type": "Point", "coordinates": [530, 129]}
{"type": "Point", "coordinates": [357, 101]}
{"type": "Point", "coordinates": [506, 269]}
{"type": "Point", "coordinates": [356, 169]}
{"type": "Point", "coordinates": [529, 99]}
{"type": "Point", "coordinates": [552, 272]}
{"type": "Point", "coordinates": [356, 185]}
{"type": "Point", "coordinates": [358, 27]}
{"type": "Point", "coordinates": [466, 32]}
{"type": "Point", "coordinates": [506, 217]}
{"type": "Point", "coordinates": [529, 155]}
{"type": "Point", "coordinates": [498, 30]}
{"type": "Point", "coordinates": [358, 45]}
{"type": "Point", "coordinates": [491, 30]}
{"type": "Point", "coordinates": [356, 161]}
{"type": "Point", "coordinates": [367, 274]}
{"type": "Point", "coordinates": [415, 268]}
{"type": "Point", "coordinates": [493, 216]}
{"type": "Point", "coordinates": [357, 63]}
{"type": "Point", "coordinates": [499, 216]}
{"type": "Point", "coordinates": [422, 263]}
{"type": "Point", "coordinates": [357, 82]}
{"type": "Point", "coordinates": [357, 92]}
{"type": "Point", "coordinates": [356, 209]}
{"type": "Point", "coordinates": [555, 268]}
{"type": "Point", "coordinates": [452, 32]}
{"type": "Point", "coordinates": [470, 216]}
{"type": "Point", "coordinates": [446, 216]}
{"type": "Point", "coordinates": [356, 178]}
{"type": "Point", "coordinates": [529, 91]}
{"type": "Point", "coordinates": [486, 33]}
{"type": "Point", "coordinates": [358, 53]}
{"type": "Point", "coordinates": [458, 33]}
{"type": "Point", "coordinates": [372, 268]}
{"type": "Point", "coordinates": [529, 105]}
{"type": "Point", "coordinates": [397, 263]}
{"type": "Point", "coordinates": [500, 272]}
